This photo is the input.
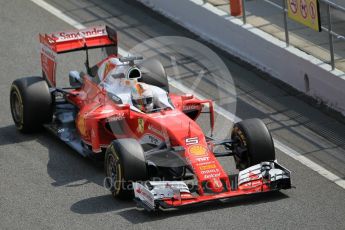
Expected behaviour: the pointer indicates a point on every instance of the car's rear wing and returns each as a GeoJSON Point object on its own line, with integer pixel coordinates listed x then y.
{"type": "Point", "coordinates": [68, 41]}
{"type": "Point", "coordinates": [74, 40]}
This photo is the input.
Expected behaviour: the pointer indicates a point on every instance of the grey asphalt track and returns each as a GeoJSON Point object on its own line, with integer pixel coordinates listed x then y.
{"type": "Point", "coordinates": [46, 185]}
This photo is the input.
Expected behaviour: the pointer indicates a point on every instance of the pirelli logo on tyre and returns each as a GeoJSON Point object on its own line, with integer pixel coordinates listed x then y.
{"type": "Point", "coordinates": [197, 150]}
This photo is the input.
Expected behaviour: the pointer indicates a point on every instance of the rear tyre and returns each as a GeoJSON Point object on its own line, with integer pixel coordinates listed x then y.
{"type": "Point", "coordinates": [124, 164]}
{"type": "Point", "coordinates": [31, 103]}
{"type": "Point", "coordinates": [253, 143]}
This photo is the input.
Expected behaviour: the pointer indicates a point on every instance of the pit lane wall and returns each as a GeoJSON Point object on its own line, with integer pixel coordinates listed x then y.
{"type": "Point", "coordinates": [260, 49]}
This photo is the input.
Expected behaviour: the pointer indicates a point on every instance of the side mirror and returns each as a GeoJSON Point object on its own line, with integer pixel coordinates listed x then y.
{"type": "Point", "coordinates": [75, 80]}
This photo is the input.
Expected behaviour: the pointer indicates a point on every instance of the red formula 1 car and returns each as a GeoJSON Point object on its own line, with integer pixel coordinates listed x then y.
{"type": "Point", "coordinates": [122, 109]}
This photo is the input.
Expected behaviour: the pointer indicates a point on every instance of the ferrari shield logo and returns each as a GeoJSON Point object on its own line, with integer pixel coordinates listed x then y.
{"type": "Point", "coordinates": [141, 125]}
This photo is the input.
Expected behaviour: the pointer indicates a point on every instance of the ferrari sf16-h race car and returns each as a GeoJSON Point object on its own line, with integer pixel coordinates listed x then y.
{"type": "Point", "coordinates": [153, 149]}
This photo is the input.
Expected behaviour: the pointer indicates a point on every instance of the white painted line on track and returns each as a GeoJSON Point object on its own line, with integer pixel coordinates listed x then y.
{"type": "Point", "coordinates": [58, 13]}
{"type": "Point", "coordinates": [285, 149]}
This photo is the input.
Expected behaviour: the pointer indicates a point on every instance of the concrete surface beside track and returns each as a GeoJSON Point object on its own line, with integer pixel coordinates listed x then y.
{"type": "Point", "coordinates": [46, 185]}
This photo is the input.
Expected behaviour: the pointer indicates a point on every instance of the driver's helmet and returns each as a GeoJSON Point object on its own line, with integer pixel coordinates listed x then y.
{"type": "Point", "coordinates": [142, 97]}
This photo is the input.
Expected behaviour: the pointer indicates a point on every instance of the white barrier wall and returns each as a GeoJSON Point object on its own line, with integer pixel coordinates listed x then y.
{"type": "Point", "coordinates": [258, 48]}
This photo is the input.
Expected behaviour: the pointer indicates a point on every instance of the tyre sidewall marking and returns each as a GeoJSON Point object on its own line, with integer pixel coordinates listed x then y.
{"type": "Point", "coordinates": [17, 91]}
{"type": "Point", "coordinates": [118, 180]}
{"type": "Point", "coordinates": [239, 133]}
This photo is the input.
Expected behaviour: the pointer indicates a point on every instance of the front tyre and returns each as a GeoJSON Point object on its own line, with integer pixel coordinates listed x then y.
{"type": "Point", "coordinates": [253, 143]}
{"type": "Point", "coordinates": [31, 103]}
{"type": "Point", "coordinates": [124, 164]}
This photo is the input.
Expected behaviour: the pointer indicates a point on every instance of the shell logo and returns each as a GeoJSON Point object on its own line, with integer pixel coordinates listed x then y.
{"type": "Point", "coordinates": [197, 150]}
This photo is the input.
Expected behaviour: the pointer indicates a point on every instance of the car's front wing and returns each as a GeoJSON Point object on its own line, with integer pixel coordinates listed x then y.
{"type": "Point", "coordinates": [263, 177]}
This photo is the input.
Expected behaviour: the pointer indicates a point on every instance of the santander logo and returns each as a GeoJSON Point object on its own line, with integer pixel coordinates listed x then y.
{"type": "Point", "coordinates": [72, 35]}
